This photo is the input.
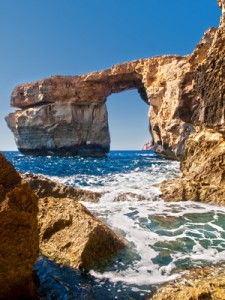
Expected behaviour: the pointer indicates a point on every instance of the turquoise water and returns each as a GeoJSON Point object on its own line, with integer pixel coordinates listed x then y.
{"type": "Point", "coordinates": [163, 238]}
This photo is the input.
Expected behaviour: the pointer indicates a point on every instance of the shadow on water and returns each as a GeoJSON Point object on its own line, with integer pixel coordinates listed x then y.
{"type": "Point", "coordinates": [64, 283]}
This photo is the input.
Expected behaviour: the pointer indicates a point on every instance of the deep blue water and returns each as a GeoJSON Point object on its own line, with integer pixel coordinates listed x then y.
{"type": "Point", "coordinates": [116, 162]}
{"type": "Point", "coordinates": [162, 237]}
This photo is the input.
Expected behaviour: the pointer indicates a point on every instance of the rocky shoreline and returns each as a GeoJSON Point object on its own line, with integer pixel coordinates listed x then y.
{"type": "Point", "coordinates": [187, 120]}
{"type": "Point", "coordinates": [200, 283]}
{"type": "Point", "coordinates": [203, 164]}
{"type": "Point", "coordinates": [42, 217]}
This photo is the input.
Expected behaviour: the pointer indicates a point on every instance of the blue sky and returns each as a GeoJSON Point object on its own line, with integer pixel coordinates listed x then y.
{"type": "Point", "coordinates": [72, 37]}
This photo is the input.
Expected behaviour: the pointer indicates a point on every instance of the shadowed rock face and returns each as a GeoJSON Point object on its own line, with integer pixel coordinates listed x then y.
{"type": "Point", "coordinates": [19, 238]}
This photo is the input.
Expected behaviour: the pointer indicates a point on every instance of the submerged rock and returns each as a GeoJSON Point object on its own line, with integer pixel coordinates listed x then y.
{"type": "Point", "coordinates": [18, 235]}
{"type": "Point", "coordinates": [71, 235]}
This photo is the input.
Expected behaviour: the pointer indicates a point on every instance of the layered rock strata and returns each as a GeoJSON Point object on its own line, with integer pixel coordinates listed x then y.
{"type": "Point", "coordinates": [19, 245]}
{"type": "Point", "coordinates": [67, 115]}
{"type": "Point", "coordinates": [203, 163]}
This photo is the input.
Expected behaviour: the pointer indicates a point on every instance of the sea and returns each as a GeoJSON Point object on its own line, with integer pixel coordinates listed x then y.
{"type": "Point", "coordinates": [163, 238]}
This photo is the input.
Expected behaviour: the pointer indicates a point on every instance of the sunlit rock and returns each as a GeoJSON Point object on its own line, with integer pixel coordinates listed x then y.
{"type": "Point", "coordinates": [71, 235]}
{"type": "Point", "coordinates": [67, 115]}
{"type": "Point", "coordinates": [45, 187]}
{"type": "Point", "coordinates": [203, 163]}
{"type": "Point", "coordinates": [208, 283]}
{"type": "Point", "coordinates": [19, 245]}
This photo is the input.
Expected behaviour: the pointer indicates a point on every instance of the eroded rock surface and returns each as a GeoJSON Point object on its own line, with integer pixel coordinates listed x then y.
{"type": "Point", "coordinates": [199, 284]}
{"type": "Point", "coordinates": [202, 166]}
{"type": "Point", "coordinates": [71, 235]}
{"type": "Point", "coordinates": [18, 235]}
{"type": "Point", "coordinates": [203, 170]}
{"type": "Point", "coordinates": [45, 187]}
{"type": "Point", "coordinates": [67, 115]}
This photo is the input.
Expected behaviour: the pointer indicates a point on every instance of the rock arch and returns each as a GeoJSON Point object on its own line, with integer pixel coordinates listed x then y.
{"type": "Point", "coordinates": [67, 115]}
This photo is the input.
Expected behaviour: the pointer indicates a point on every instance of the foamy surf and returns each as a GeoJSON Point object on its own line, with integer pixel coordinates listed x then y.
{"type": "Point", "coordinates": [162, 238]}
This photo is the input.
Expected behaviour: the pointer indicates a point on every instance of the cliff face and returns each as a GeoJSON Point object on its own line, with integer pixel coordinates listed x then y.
{"type": "Point", "coordinates": [19, 238]}
{"type": "Point", "coordinates": [203, 163]}
{"type": "Point", "coordinates": [62, 129]}
{"type": "Point", "coordinates": [67, 115]}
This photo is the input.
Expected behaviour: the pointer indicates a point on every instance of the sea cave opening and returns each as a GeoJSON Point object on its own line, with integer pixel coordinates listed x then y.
{"type": "Point", "coordinates": [128, 120]}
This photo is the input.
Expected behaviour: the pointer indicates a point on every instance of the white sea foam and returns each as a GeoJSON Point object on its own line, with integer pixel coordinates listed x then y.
{"type": "Point", "coordinates": [144, 270]}
{"type": "Point", "coordinates": [178, 239]}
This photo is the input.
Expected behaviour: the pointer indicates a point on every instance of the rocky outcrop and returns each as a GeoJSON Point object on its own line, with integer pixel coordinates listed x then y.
{"type": "Point", "coordinates": [71, 235]}
{"type": "Point", "coordinates": [45, 187]}
{"type": "Point", "coordinates": [203, 170]}
{"type": "Point", "coordinates": [148, 146]}
{"type": "Point", "coordinates": [18, 235]}
{"type": "Point", "coordinates": [62, 128]}
{"type": "Point", "coordinates": [203, 163]}
{"type": "Point", "coordinates": [67, 115]}
{"type": "Point", "coordinates": [199, 284]}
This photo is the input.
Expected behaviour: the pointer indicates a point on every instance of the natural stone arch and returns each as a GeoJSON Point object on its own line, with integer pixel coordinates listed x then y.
{"type": "Point", "coordinates": [66, 115]}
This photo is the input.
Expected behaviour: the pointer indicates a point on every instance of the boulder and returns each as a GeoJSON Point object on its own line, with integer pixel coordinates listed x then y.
{"type": "Point", "coordinates": [19, 245]}
{"type": "Point", "coordinates": [71, 235]}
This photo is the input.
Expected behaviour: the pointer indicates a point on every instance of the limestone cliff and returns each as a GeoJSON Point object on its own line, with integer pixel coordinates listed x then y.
{"type": "Point", "coordinates": [67, 115]}
{"type": "Point", "coordinates": [203, 163]}
{"type": "Point", "coordinates": [19, 245]}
